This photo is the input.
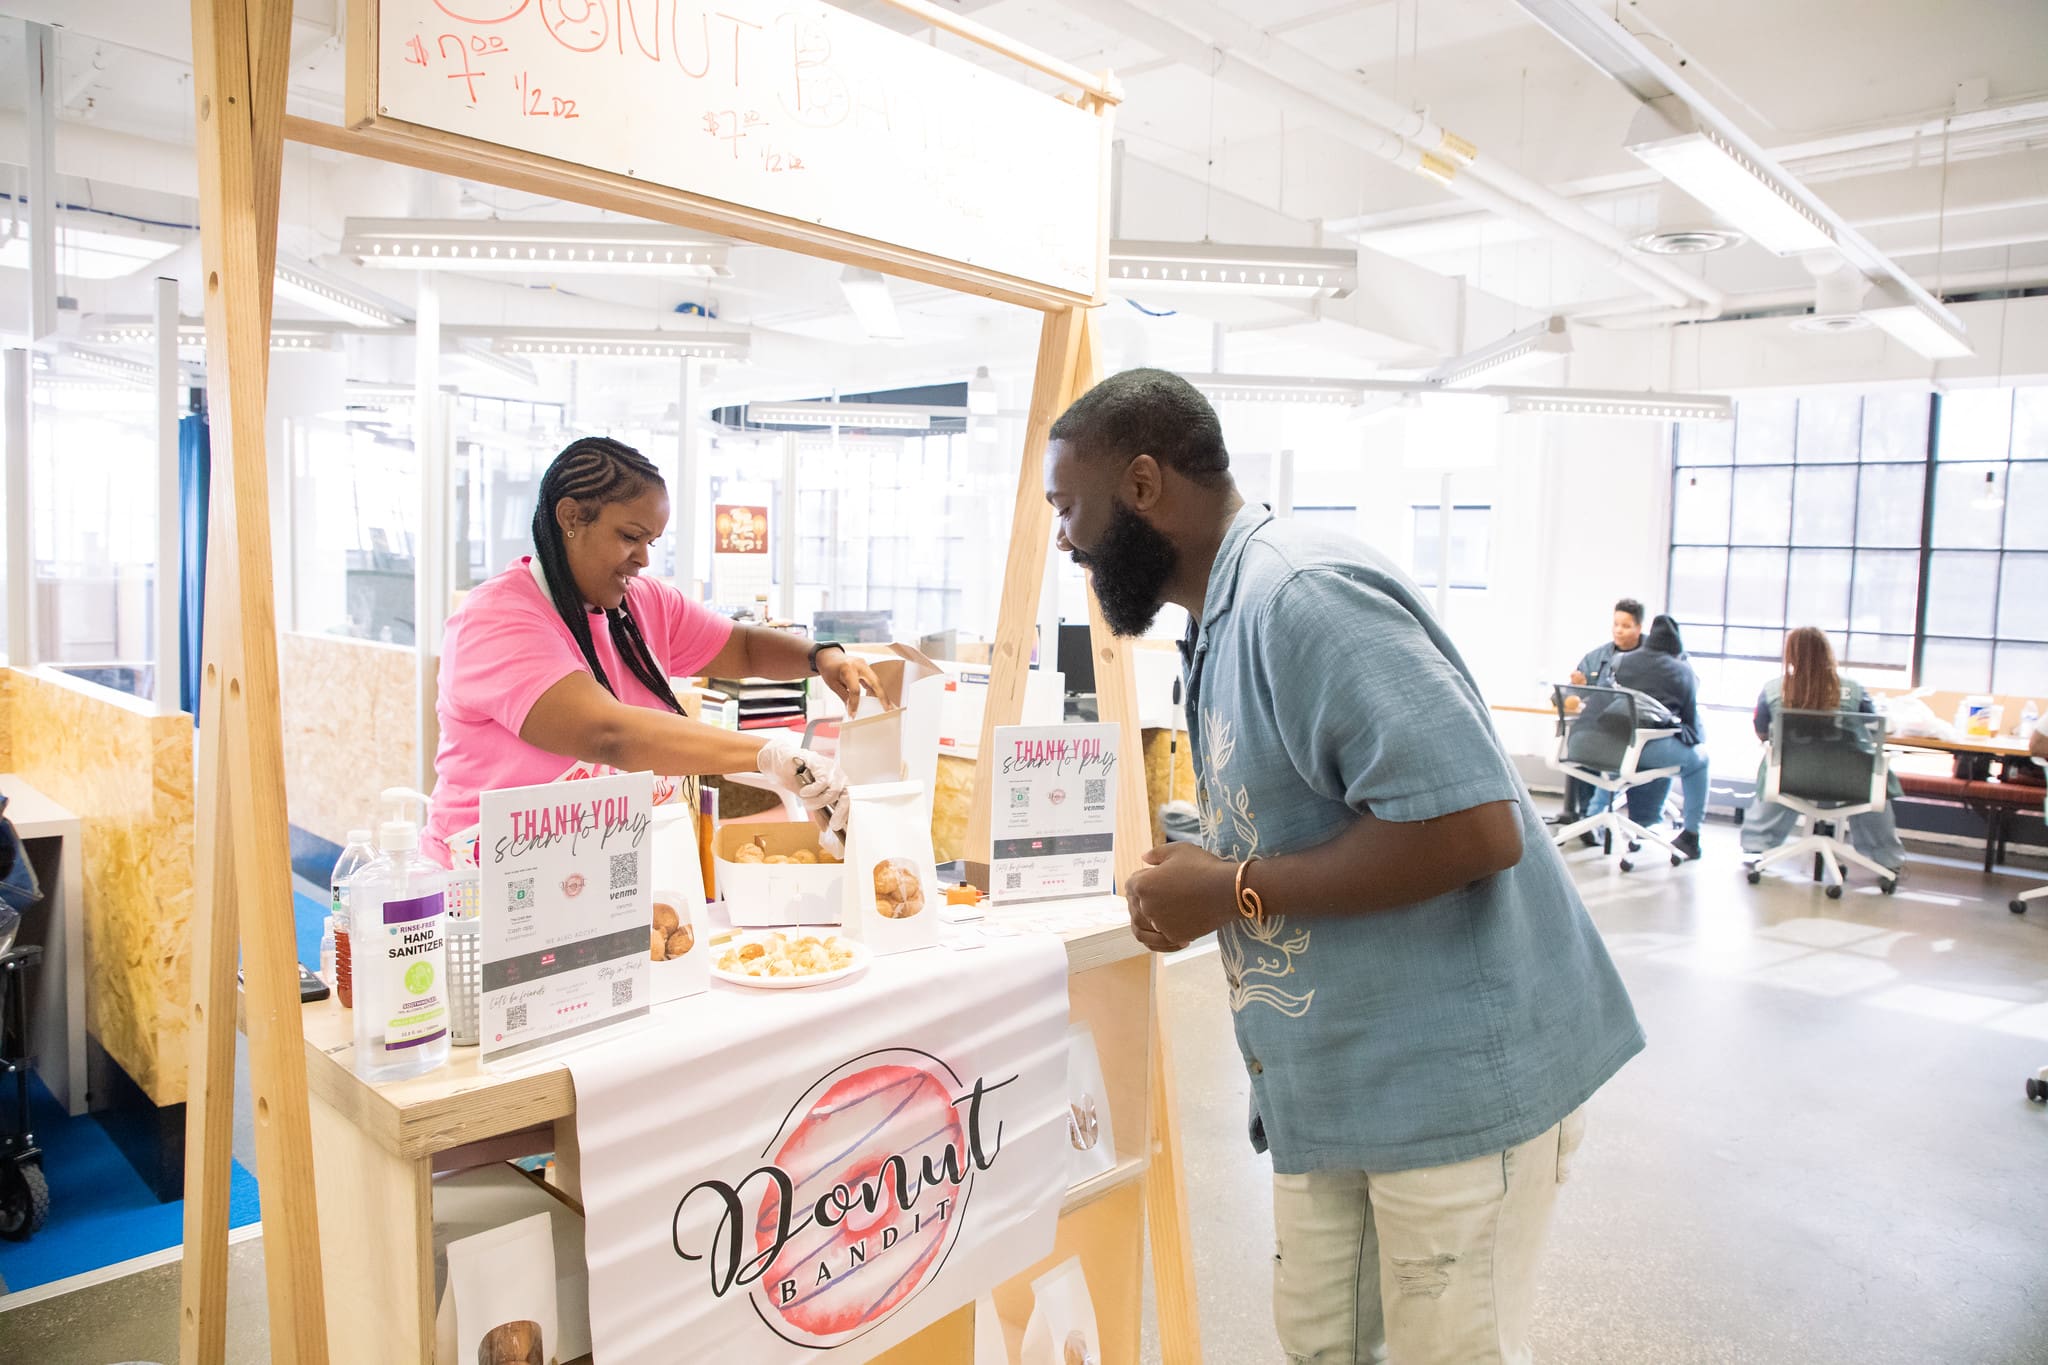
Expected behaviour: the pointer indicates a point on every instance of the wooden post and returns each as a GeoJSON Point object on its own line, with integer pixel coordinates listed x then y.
{"type": "Point", "coordinates": [1166, 1206]}
{"type": "Point", "coordinates": [1052, 389]}
{"type": "Point", "coordinates": [240, 51]}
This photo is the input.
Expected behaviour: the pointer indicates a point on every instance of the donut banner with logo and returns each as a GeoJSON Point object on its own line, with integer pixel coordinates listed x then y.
{"type": "Point", "coordinates": [787, 1176]}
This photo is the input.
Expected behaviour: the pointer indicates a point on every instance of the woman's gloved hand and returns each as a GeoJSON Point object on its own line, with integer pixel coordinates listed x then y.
{"type": "Point", "coordinates": [815, 780]}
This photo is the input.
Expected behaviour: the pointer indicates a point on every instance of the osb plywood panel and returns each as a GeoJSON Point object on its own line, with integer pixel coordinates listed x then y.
{"type": "Point", "coordinates": [955, 794]}
{"type": "Point", "coordinates": [349, 708]}
{"type": "Point", "coordinates": [6, 721]}
{"type": "Point", "coordinates": [1160, 747]}
{"type": "Point", "coordinates": [127, 775]}
{"type": "Point", "coordinates": [952, 798]}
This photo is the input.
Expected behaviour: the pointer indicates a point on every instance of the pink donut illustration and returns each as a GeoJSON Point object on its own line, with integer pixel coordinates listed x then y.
{"type": "Point", "coordinates": [830, 1284]}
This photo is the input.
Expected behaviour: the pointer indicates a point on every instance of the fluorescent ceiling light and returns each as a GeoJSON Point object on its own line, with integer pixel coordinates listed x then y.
{"type": "Point", "coordinates": [1280, 388]}
{"type": "Point", "coordinates": [323, 293]}
{"type": "Point", "coordinates": [867, 294]}
{"type": "Point", "coordinates": [1704, 163]}
{"type": "Point", "coordinates": [1669, 407]}
{"type": "Point", "coordinates": [110, 364]}
{"type": "Point", "coordinates": [1598, 39]}
{"type": "Point", "coordinates": [1268, 271]}
{"type": "Point", "coordinates": [1512, 353]}
{"type": "Point", "coordinates": [1430, 393]}
{"type": "Point", "coordinates": [1911, 325]}
{"type": "Point", "coordinates": [99, 252]}
{"type": "Point", "coordinates": [824, 413]}
{"type": "Point", "coordinates": [465, 244]}
{"type": "Point", "coordinates": [138, 331]}
{"type": "Point", "coordinates": [603, 342]}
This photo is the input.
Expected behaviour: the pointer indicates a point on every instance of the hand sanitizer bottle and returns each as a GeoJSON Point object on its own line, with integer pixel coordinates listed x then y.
{"type": "Point", "coordinates": [400, 962]}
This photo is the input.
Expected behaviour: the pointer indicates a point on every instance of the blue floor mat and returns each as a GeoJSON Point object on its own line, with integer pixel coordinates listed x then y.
{"type": "Point", "coordinates": [310, 919]}
{"type": "Point", "coordinates": [100, 1211]}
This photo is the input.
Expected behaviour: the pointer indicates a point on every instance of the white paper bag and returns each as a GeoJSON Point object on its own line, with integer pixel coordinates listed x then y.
{"type": "Point", "coordinates": [891, 886]}
{"type": "Point", "coordinates": [1062, 1327]}
{"type": "Point", "coordinates": [1089, 1133]}
{"type": "Point", "coordinates": [503, 1284]}
{"type": "Point", "coordinates": [989, 1346]}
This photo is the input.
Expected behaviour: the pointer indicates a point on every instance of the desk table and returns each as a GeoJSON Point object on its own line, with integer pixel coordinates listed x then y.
{"type": "Point", "coordinates": [53, 838]}
{"type": "Point", "coordinates": [376, 1148]}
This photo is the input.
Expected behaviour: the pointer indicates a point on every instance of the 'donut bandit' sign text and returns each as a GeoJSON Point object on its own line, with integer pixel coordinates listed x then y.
{"type": "Point", "coordinates": [862, 1194]}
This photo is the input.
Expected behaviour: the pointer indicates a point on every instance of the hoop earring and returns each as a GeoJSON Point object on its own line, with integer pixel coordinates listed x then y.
{"type": "Point", "coordinates": [570, 534]}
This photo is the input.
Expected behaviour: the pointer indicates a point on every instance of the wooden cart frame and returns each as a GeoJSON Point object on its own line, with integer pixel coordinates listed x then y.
{"type": "Point", "coordinates": [241, 51]}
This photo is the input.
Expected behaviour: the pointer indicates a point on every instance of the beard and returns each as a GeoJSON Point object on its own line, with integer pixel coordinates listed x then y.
{"type": "Point", "coordinates": [1130, 566]}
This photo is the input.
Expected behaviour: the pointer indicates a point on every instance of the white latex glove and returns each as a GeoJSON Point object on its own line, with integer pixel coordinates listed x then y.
{"type": "Point", "coordinates": [833, 837]}
{"type": "Point", "coordinates": [816, 780]}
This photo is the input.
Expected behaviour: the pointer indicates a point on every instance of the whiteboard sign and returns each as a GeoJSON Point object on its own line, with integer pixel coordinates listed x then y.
{"type": "Point", "coordinates": [787, 106]}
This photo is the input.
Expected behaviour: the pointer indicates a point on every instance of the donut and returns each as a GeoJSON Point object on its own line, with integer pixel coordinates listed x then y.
{"type": "Point", "coordinates": [657, 945]}
{"type": "Point", "coordinates": [680, 941]}
{"type": "Point", "coordinates": [844, 1136]}
{"type": "Point", "coordinates": [511, 1343]}
{"type": "Point", "coordinates": [665, 917]}
{"type": "Point", "coordinates": [1084, 1130]}
{"type": "Point", "coordinates": [750, 853]}
{"type": "Point", "coordinates": [803, 855]}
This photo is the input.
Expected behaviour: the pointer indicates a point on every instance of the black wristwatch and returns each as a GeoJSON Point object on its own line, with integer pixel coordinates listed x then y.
{"type": "Point", "coordinates": [823, 645]}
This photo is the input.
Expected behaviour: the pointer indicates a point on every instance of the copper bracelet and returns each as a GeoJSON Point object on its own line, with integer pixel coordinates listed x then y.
{"type": "Point", "coordinates": [1248, 903]}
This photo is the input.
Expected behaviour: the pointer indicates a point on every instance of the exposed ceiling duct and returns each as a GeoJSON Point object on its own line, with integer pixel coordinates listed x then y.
{"type": "Point", "coordinates": [1209, 38]}
{"type": "Point", "coordinates": [1700, 149]}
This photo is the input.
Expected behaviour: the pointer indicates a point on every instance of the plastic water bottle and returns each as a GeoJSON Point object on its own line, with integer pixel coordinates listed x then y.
{"type": "Point", "coordinates": [2030, 720]}
{"type": "Point", "coordinates": [353, 859]}
{"type": "Point", "coordinates": [396, 905]}
{"type": "Point", "coordinates": [327, 950]}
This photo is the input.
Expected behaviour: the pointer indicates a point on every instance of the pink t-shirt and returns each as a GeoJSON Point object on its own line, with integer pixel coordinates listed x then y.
{"type": "Point", "coordinates": [507, 646]}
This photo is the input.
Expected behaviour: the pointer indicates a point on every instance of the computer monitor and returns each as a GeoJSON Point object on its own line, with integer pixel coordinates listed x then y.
{"type": "Point", "coordinates": [1077, 658]}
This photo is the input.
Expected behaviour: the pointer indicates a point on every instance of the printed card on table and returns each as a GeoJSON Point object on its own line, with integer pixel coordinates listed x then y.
{"type": "Point", "coordinates": [1053, 833]}
{"type": "Point", "coordinates": [567, 903]}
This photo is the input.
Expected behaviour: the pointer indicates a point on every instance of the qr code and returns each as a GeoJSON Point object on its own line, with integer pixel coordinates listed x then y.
{"type": "Point", "coordinates": [622, 992]}
{"type": "Point", "coordinates": [1095, 791]}
{"type": "Point", "coordinates": [515, 1016]}
{"type": "Point", "coordinates": [1091, 876]}
{"type": "Point", "coordinates": [625, 872]}
{"type": "Point", "coordinates": [519, 894]}
{"type": "Point", "coordinates": [1013, 881]}
{"type": "Point", "coordinates": [1020, 796]}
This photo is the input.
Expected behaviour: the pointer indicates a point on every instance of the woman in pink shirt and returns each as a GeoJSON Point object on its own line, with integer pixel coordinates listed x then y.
{"type": "Point", "coordinates": [564, 658]}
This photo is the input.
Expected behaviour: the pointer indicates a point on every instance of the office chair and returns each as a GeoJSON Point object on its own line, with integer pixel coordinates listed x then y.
{"type": "Point", "coordinates": [2018, 905]}
{"type": "Point", "coordinates": [1827, 766]}
{"type": "Point", "coordinates": [1600, 742]}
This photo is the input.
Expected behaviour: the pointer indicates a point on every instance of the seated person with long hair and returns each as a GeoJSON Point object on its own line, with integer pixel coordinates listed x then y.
{"type": "Point", "coordinates": [1812, 683]}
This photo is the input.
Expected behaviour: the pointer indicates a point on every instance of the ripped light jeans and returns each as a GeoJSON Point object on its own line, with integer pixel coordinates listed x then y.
{"type": "Point", "coordinates": [1427, 1267]}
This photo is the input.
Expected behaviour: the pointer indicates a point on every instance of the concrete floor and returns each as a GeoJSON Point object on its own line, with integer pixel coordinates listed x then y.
{"type": "Point", "coordinates": [1825, 1155]}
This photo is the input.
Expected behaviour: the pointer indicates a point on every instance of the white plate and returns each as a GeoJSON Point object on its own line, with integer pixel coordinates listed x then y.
{"type": "Point", "coordinates": [861, 958]}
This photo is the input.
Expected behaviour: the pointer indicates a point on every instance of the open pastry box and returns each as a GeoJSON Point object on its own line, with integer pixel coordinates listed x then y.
{"type": "Point", "coordinates": [762, 895]}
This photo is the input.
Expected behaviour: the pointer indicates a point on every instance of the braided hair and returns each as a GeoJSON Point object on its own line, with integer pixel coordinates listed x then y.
{"type": "Point", "coordinates": [596, 470]}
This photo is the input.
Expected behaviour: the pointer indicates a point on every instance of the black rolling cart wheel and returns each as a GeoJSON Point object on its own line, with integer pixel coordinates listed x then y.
{"type": "Point", "coordinates": [2017, 906]}
{"type": "Point", "coordinates": [24, 1200]}
{"type": "Point", "coordinates": [1754, 876]}
{"type": "Point", "coordinates": [2037, 1090]}
{"type": "Point", "coordinates": [1835, 892]}
{"type": "Point", "coordinates": [1676, 860]}
{"type": "Point", "coordinates": [1888, 885]}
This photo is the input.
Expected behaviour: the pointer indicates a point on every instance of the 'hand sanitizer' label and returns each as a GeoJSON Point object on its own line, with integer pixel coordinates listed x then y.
{"type": "Point", "coordinates": [412, 967]}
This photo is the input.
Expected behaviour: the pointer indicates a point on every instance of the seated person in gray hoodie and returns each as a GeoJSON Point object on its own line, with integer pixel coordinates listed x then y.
{"type": "Point", "coordinates": [1660, 670]}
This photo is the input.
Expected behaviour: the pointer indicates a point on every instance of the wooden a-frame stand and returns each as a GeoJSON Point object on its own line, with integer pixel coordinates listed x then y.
{"type": "Point", "coordinates": [241, 52]}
